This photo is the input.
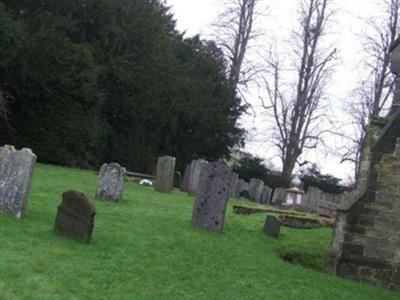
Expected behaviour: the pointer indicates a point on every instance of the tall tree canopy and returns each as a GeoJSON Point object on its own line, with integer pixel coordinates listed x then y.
{"type": "Point", "coordinates": [89, 81]}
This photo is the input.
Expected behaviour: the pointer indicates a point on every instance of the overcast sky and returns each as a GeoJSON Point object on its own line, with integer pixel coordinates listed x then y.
{"type": "Point", "coordinates": [197, 16]}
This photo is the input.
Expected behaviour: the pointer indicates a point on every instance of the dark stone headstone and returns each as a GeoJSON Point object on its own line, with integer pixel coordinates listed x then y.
{"type": "Point", "coordinates": [16, 171]}
{"type": "Point", "coordinates": [75, 217]}
{"type": "Point", "coordinates": [110, 186]}
{"type": "Point", "coordinates": [185, 180]}
{"type": "Point", "coordinates": [165, 174]}
{"type": "Point", "coordinates": [212, 197]}
{"type": "Point", "coordinates": [272, 226]}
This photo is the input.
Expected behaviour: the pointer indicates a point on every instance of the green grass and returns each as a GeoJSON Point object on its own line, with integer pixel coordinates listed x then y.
{"type": "Point", "coordinates": [145, 248]}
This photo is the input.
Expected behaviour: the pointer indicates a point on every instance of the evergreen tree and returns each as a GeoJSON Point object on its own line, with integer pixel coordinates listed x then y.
{"type": "Point", "coordinates": [113, 80]}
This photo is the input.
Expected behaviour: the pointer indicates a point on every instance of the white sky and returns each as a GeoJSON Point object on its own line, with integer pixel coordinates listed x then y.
{"type": "Point", "coordinates": [197, 16]}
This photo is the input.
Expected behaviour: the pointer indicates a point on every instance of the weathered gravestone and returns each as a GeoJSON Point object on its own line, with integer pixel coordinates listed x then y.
{"type": "Point", "coordinates": [165, 174]}
{"type": "Point", "coordinates": [279, 196]}
{"type": "Point", "coordinates": [313, 198]}
{"type": "Point", "coordinates": [255, 189]}
{"type": "Point", "coordinates": [75, 217]}
{"type": "Point", "coordinates": [110, 185]}
{"type": "Point", "coordinates": [272, 226]}
{"type": "Point", "coordinates": [194, 178]}
{"type": "Point", "coordinates": [233, 185]}
{"type": "Point", "coordinates": [5, 150]}
{"type": "Point", "coordinates": [16, 172]}
{"type": "Point", "coordinates": [242, 186]}
{"type": "Point", "coordinates": [266, 195]}
{"type": "Point", "coordinates": [212, 197]}
{"type": "Point", "coordinates": [185, 181]}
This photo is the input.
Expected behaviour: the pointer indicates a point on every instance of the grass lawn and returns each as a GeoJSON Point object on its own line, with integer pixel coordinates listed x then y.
{"type": "Point", "coordinates": [145, 248]}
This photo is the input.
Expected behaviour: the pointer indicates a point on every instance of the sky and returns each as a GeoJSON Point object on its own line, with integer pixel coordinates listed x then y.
{"type": "Point", "coordinates": [197, 16]}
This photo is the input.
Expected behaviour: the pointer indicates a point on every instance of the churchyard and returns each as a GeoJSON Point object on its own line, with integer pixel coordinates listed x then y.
{"type": "Point", "coordinates": [130, 168]}
{"type": "Point", "coordinates": [145, 247]}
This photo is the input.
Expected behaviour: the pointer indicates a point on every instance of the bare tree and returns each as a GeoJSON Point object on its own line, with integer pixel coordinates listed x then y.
{"type": "Point", "coordinates": [235, 34]}
{"type": "Point", "coordinates": [376, 91]}
{"type": "Point", "coordinates": [297, 111]}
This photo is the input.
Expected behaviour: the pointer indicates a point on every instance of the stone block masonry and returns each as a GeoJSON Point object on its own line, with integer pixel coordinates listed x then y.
{"type": "Point", "coordinates": [366, 242]}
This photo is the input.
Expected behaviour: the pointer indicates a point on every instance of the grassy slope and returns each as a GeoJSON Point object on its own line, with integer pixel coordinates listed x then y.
{"type": "Point", "coordinates": [145, 248]}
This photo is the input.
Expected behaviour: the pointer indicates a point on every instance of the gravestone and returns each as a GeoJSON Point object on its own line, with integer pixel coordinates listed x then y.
{"type": "Point", "coordinates": [165, 174]}
{"type": "Point", "coordinates": [16, 171]}
{"type": "Point", "coordinates": [255, 189]}
{"type": "Point", "coordinates": [5, 150]}
{"type": "Point", "coordinates": [185, 181]}
{"type": "Point", "coordinates": [212, 197]}
{"type": "Point", "coordinates": [266, 195]}
{"type": "Point", "coordinates": [241, 186]}
{"type": "Point", "coordinates": [194, 178]}
{"type": "Point", "coordinates": [313, 198]}
{"type": "Point", "coordinates": [272, 226]}
{"type": "Point", "coordinates": [233, 185]}
{"type": "Point", "coordinates": [75, 217]}
{"type": "Point", "coordinates": [279, 196]}
{"type": "Point", "coordinates": [110, 185]}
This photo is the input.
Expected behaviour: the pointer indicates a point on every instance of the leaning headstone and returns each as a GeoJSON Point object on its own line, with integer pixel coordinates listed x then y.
{"type": "Point", "coordinates": [212, 197]}
{"type": "Point", "coordinates": [272, 226]}
{"type": "Point", "coordinates": [194, 178]}
{"type": "Point", "coordinates": [185, 181]}
{"type": "Point", "coordinates": [16, 171]}
{"type": "Point", "coordinates": [279, 196]}
{"type": "Point", "coordinates": [266, 195]}
{"type": "Point", "coordinates": [110, 185]}
{"type": "Point", "coordinates": [165, 174]}
{"type": "Point", "coordinates": [255, 189]}
{"type": "Point", "coordinates": [241, 186]}
{"type": "Point", "coordinates": [75, 217]}
{"type": "Point", "coordinates": [233, 185]}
